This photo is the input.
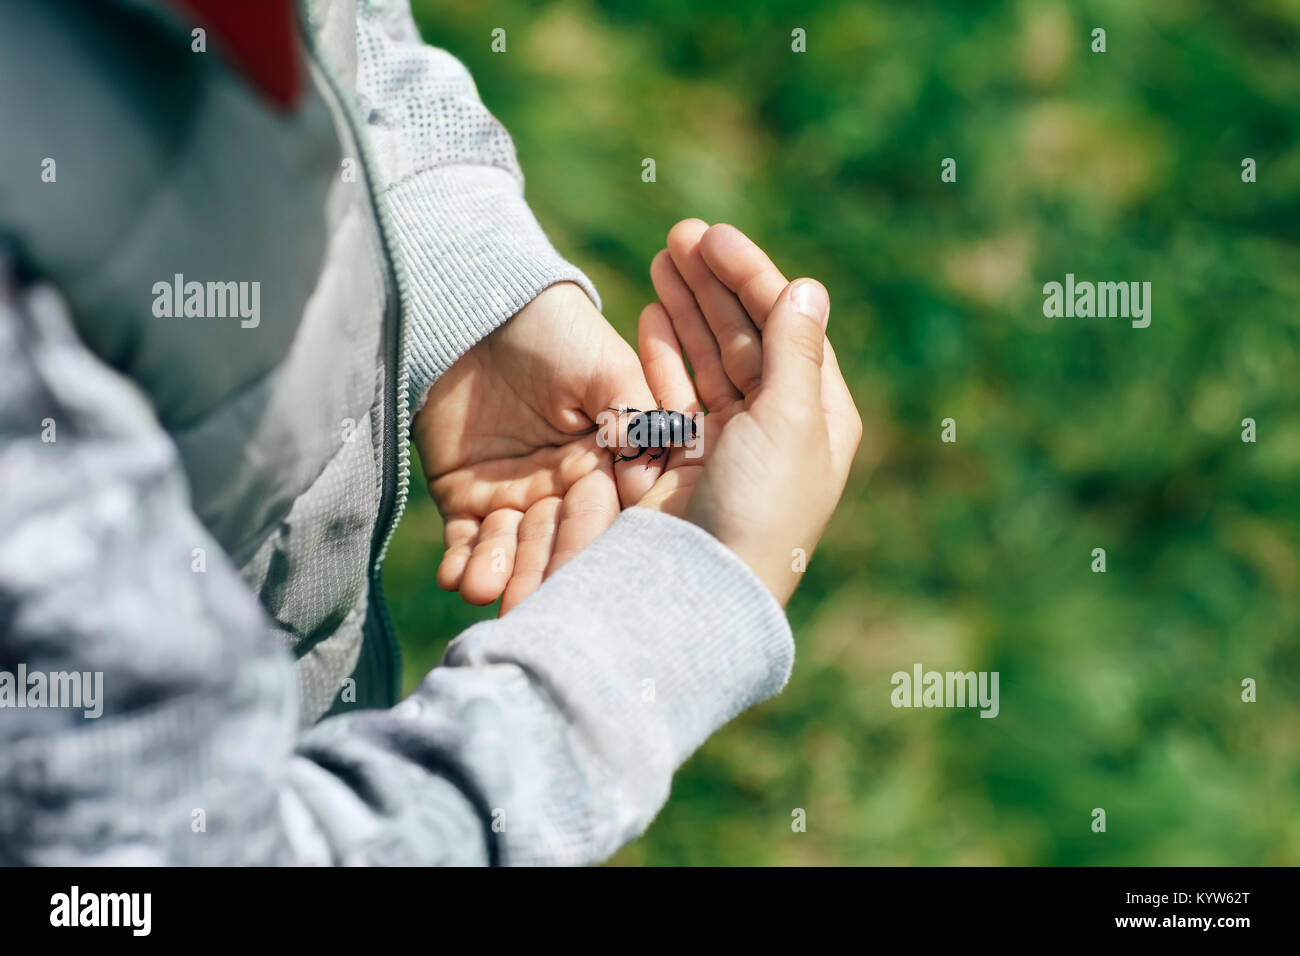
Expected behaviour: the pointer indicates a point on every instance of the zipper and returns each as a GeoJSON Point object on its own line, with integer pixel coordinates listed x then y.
{"type": "Point", "coordinates": [397, 409]}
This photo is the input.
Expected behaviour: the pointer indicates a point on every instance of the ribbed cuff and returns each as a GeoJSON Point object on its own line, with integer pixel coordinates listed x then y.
{"type": "Point", "coordinates": [474, 255]}
{"type": "Point", "coordinates": [656, 631]}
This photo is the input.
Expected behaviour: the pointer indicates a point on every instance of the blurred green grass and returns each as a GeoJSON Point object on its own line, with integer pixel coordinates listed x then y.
{"type": "Point", "coordinates": [1120, 690]}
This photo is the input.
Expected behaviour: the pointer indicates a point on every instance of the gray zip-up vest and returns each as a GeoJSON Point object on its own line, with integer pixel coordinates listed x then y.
{"type": "Point", "coordinates": [136, 167]}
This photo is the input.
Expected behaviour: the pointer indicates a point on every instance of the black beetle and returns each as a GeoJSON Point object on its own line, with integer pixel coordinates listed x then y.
{"type": "Point", "coordinates": [660, 429]}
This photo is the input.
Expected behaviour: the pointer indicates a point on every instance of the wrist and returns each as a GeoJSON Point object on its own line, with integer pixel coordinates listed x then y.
{"type": "Point", "coordinates": [565, 294]}
{"type": "Point", "coordinates": [770, 565]}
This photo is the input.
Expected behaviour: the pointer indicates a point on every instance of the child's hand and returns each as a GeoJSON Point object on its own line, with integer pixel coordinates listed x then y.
{"type": "Point", "coordinates": [509, 446]}
{"type": "Point", "coordinates": [782, 428]}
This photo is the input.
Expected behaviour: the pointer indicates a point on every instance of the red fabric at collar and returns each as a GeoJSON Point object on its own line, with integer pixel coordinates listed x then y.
{"type": "Point", "coordinates": [261, 37]}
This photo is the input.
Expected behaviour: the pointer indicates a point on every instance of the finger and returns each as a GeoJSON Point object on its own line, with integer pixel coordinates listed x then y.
{"type": "Point", "coordinates": [621, 383]}
{"type": "Point", "coordinates": [634, 477]}
{"type": "Point", "coordinates": [743, 268]}
{"type": "Point", "coordinates": [740, 347]}
{"type": "Point", "coordinates": [493, 559]}
{"type": "Point", "coordinates": [842, 417]}
{"type": "Point", "coordinates": [589, 508]}
{"type": "Point", "coordinates": [794, 345]}
{"type": "Point", "coordinates": [661, 357]}
{"type": "Point", "coordinates": [458, 536]}
{"type": "Point", "coordinates": [672, 493]}
{"type": "Point", "coordinates": [536, 542]}
{"type": "Point", "coordinates": [701, 348]}
{"type": "Point", "coordinates": [518, 483]}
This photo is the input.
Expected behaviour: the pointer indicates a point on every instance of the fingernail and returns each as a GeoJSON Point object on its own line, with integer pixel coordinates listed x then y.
{"type": "Point", "coordinates": [809, 299]}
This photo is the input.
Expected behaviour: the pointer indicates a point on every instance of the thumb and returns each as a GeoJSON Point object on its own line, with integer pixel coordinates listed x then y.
{"type": "Point", "coordinates": [794, 340]}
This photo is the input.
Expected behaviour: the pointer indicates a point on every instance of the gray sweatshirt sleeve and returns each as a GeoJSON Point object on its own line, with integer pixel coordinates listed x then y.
{"type": "Point", "coordinates": [473, 251]}
{"type": "Point", "coordinates": [548, 736]}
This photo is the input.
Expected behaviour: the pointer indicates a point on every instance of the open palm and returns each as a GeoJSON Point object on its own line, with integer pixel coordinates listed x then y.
{"type": "Point", "coordinates": [509, 444]}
